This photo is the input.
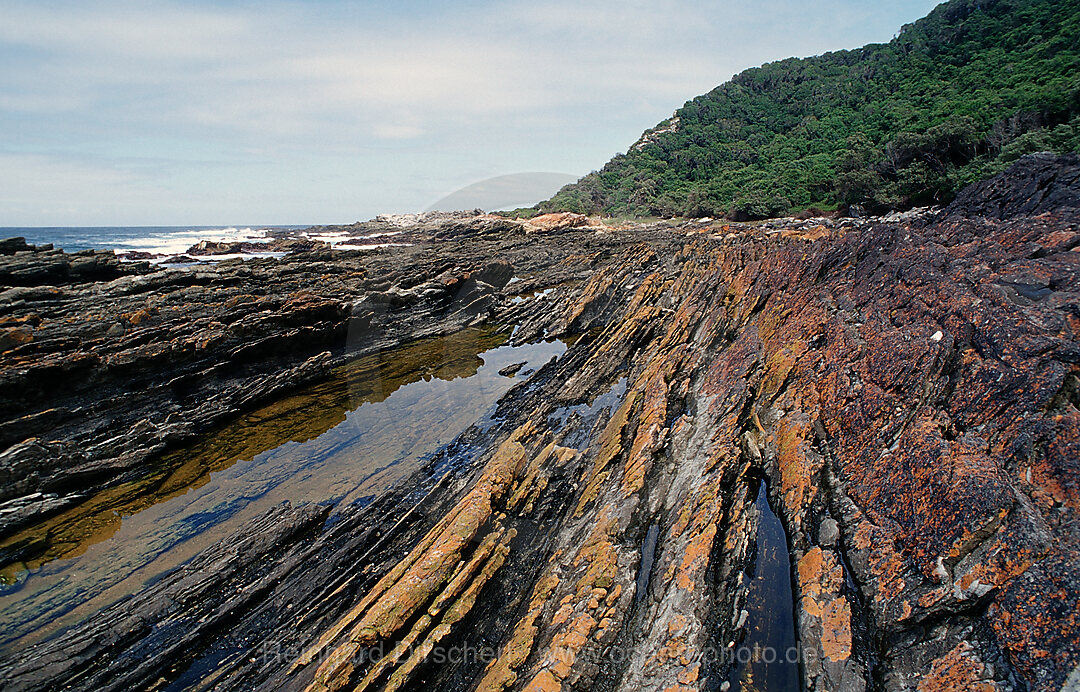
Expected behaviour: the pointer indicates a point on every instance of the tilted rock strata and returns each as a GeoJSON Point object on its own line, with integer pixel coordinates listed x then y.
{"type": "Point", "coordinates": [101, 373]}
{"type": "Point", "coordinates": [909, 391]}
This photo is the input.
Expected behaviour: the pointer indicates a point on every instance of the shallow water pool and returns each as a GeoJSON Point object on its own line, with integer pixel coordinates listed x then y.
{"type": "Point", "coordinates": [338, 442]}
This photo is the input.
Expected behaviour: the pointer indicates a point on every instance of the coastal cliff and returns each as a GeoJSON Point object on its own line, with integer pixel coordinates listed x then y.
{"type": "Point", "coordinates": [904, 391]}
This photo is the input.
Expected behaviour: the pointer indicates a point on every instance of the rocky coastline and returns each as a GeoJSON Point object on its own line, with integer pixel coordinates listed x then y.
{"type": "Point", "coordinates": [906, 390]}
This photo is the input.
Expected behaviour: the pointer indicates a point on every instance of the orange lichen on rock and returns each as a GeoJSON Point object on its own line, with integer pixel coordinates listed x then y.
{"type": "Point", "coordinates": [1035, 616]}
{"type": "Point", "coordinates": [691, 674]}
{"type": "Point", "coordinates": [700, 535]}
{"type": "Point", "coordinates": [777, 367]}
{"type": "Point", "coordinates": [836, 630]}
{"type": "Point", "coordinates": [651, 286]}
{"type": "Point", "coordinates": [544, 681]}
{"type": "Point", "coordinates": [959, 670]}
{"type": "Point", "coordinates": [821, 580]}
{"type": "Point", "coordinates": [600, 287]}
{"type": "Point", "coordinates": [820, 572]}
{"type": "Point", "coordinates": [595, 290]}
{"type": "Point", "coordinates": [555, 222]}
{"type": "Point", "coordinates": [696, 557]}
{"type": "Point", "coordinates": [572, 624]}
{"type": "Point", "coordinates": [598, 554]}
{"type": "Point", "coordinates": [652, 429]}
{"type": "Point", "coordinates": [562, 653]}
{"type": "Point", "coordinates": [610, 446]}
{"type": "Point", "coordinates": [886, 564]}
{"type": "Point", "coordinates": [674, 649]}
{"type": "Point", "coordinates": [454, 614]}
{"type": "Point", "coordinates": [818, 232]}
{"type": "Point", "coordinates": [796, 468]}
{"type": "Point", "coordinates": [502, 672]}
{"type": "Point", "coordinates": [417, 578]}
{"type": "Point", "coordinates": [1054, 478]}
{"type": "Point", "coordinates": [532, 483]}
{"type": "Point", "coordinates": [567, 642]}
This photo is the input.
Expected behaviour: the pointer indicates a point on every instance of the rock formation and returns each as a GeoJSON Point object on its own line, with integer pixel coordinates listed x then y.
{"type": "Point", "coordinates": [906, 390]}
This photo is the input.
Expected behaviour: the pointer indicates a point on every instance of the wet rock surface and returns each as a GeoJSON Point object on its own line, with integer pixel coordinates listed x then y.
{"type": "Point", "coordinates": [907, 388]}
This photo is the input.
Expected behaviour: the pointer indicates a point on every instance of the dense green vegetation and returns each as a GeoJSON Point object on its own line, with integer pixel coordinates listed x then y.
{"type": "Point", "coordinates": [955, 97]}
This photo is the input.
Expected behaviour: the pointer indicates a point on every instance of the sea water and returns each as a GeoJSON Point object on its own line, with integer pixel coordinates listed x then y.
{"type": "Point", "coordinates": [163, 240]}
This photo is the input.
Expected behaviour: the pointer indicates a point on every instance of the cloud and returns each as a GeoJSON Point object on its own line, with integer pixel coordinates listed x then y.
{"type": "Point", "coordinates": [279, 71]}
{"type": "Point", "coordinates": [413, 95]}
{"type": "Point", "coordinates": [396, 131]}
{"type": "Point", "coordinates": [35, 184]}
{"type": "Point", "coordinates": [150, 31]}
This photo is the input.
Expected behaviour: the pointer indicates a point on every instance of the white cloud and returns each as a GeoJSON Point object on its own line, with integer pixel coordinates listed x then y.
{"type": "Point", "coordinates": [396, 131]}
{"type": "Point", "coordinates": [486, 88]}
{"type": "Point", "coordinates": [149, 31]}
{"type": "Point", "coordinates": [262, 70]}
{"type": "Point", "coordinates": [33, 184]}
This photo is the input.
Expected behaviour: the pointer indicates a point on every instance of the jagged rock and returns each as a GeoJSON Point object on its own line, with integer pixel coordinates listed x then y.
{"type": "Point", "coordinates": [188, 605]}
{"type": "Point", "coordinates": [27, 265]}
{"type": "Point", "coordinates": [497, 274]}
{"type": "Point", "coordinates": [906, 388]}
{"type": "Point", "coordinates": [179, 259]}
{"type": "Point", "coordinates": [428, 217]}
{"type": "Point", "coordinates": [210, 247]}
{"type": "Point", "coordinates": [512, 369]}
{"type": "Point", "coordinates": [9, 246]}
{"type": "Point", "coordinates": [559, 221]}
{"type": "Point", "coordinates": [1035, 184]}
{"type": "Point", "coordinates": [274, 244]}
{"type": "Point", "coordinates": [23, 465]}
{"type": "Point", "coordinates": [133, 255]}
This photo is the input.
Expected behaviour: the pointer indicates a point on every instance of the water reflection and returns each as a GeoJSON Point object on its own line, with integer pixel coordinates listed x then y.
{"type": "Point", "coordinates": [770, 661]}
{"type": "Point", "coordinates": [336, 442]}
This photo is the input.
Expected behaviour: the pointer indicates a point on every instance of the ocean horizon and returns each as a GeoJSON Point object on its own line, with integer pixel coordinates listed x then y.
{"type": "Point", "coordinates": [161, 240]}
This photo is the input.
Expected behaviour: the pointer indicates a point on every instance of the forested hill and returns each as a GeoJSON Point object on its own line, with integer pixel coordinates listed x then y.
{"type": "Point", "coordinates": [955, 97]}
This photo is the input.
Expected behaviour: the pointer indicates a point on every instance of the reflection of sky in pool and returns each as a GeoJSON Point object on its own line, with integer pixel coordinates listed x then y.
{"type": "Point", "coordinates": [771, 621]}
{"type": "Point", "coordinates": [336, 442]}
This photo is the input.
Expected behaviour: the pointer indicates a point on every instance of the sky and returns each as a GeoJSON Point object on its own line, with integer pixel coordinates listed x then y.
{"type": "Point", "coordinates": [217, 113]}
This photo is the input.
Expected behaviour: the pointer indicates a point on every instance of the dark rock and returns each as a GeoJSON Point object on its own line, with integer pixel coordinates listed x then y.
{"type": "Point", "coordinates": [828, 532]}
{"type": "Point", "coordinates": [39, 266]}
{"type": "Point", "coordinates": [498, 274]}
{"type": "Point", "coordinates": [182, 610]}
{"type": "Point", "coordinates": [179, 259]}
{"type": "Point", "coordinates": [211, 247]}
{"type": "Point", "coordinates": [132, 255]}
{"type": "Point", "coordinates": [1035, 184]}
{"type": "Point", "coordinates": [9, 246]}
{"type": "Point", "coordinates": [512, 369]}
{"type": "Point", "coordinates": [297, 245]}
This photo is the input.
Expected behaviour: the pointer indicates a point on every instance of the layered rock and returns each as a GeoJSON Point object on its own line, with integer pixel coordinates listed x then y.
{"type": "Point", "coordinates": [123, 365]}
{"type": "Point", "coordinates": [906, 390]}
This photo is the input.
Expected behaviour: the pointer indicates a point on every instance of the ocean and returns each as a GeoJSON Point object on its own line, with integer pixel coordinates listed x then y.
{"type": "Point", "coordinates": [164, 240]}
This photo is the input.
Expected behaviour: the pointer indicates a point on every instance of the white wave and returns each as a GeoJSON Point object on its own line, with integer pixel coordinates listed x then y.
{"type": "Point", "coordinates": [374, 246]}
{"type": "Point", "coordinates": [240, 255]}
{"type": "Point", "coordinates": [178, 241]}
{"type": "Point", "coordinates": [169, 260]}
{"type": "Point", "coordinates": [332, 238]}
{"type": "Point", "coordinates": [338, 237]}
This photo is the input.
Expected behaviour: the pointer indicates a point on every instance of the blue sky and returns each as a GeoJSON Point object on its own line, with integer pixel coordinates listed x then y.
{"type": "Point", "coordinates": [146, 113]}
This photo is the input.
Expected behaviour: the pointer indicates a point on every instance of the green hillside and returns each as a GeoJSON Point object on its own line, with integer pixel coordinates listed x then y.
{"type": "Point", "coordinates": [953, 98]}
